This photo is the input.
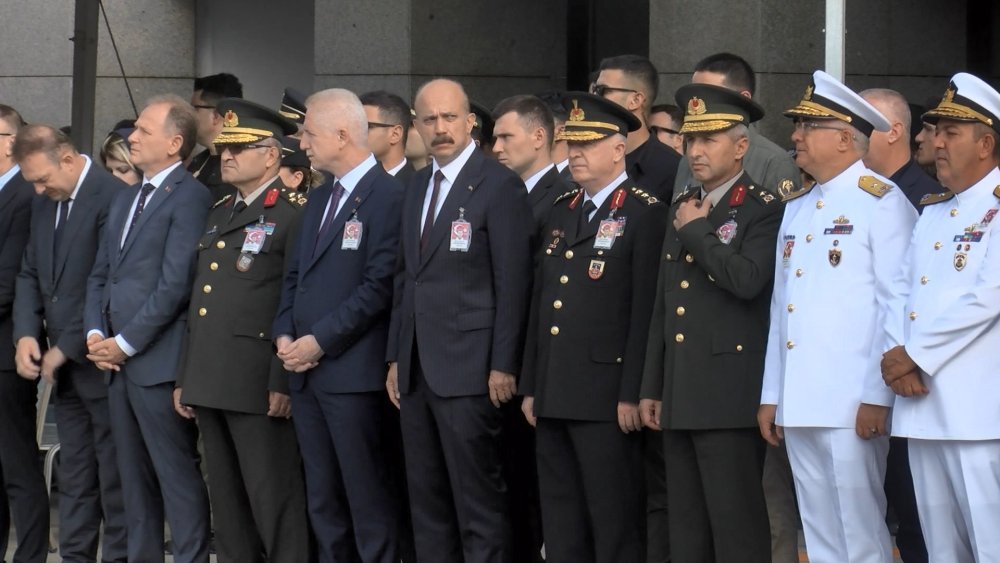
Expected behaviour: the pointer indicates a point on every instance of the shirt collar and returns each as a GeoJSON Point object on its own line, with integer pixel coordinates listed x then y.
{"type": "Point", "coordinates": [981, 189]}
{"type": "Point", "coordinates": [351, 179]}
{"type": "Point", "coordinates": [161, 176]}
{"type": "Point", "coordinates": [716, 195]}
{"type": "Point", "coordinates": [452, 169]}
{"type": "Point", "coordinates": [562, 165]}
{"type": "Point", "coordinates": [395, 169]}
{"type": "Point", "coordinates": [83, 174]}
{"type": "Point", "coordinates": [850, 175]}
{"type": "Point", "coordinates": [530, 182]}
{"type": "Point", "coordinates": [602, 195]}
{"type": "Point", "coordinates": [8, 175]}
{"type": "Point", "coordinates": [256, 193]}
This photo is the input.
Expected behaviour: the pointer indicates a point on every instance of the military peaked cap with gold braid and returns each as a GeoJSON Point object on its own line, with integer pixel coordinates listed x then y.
{"type": "Point", "coordinates": [968, 99]}
{"type": "Point", "coordinates": [293, 105]}
{"type": "Point", "coordinates": [828, 98]}
{"type": "Point", "coordinates": [592, 118]}
{"type": "Point", "coordinates": [245, 122]}
{"type": "Point", "coordinates": [709, 108]}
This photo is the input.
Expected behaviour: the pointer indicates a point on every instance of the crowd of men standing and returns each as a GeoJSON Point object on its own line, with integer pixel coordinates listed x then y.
{"type": "Point", "coordinates": [569, 336]}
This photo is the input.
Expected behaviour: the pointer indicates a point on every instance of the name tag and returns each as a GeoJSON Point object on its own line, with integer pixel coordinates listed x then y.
{"type": "Point", "coordinates": [352, 235]}
{"type": "Point", "coordinates": [607, 232]}
{"type": "Point", "coordinates": [461, 235]}
{"type": "Point", "coordinates": [254, 240]}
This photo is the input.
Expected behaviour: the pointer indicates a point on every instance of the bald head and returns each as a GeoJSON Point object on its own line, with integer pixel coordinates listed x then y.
{"type": "Point", "coordinates": [891, 103]}
{"type": "Point", "coordinates": [444, 120]}
{"type": "Point", "coordinates": [889, 151]}
{"type": "Point", "coordinates": [443, 87]}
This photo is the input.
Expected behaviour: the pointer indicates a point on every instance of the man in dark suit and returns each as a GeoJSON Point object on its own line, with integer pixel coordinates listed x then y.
{"type": "Point", "coordinates": [331, 332]}
{"type": "Point", "coordinates": [594, 289]}
{"type": "Point", "coordinates": [206, 166]}
{"type": "Point", "coordinates": [631, 81]}
{"type": "Point", "coordinates": [560, 150]}
{"type": "Point", "coordinates": [388, 125]}
{"type": "Point", "coordinates": [137, 297]}
{"type": "Point", "coordinates": [705, 357]}
{"type": "Point", "coordinates": [229, 375]}
{"type": "Point", "coordinates": [23, 483]}
{"type": "Point", "coordinates": [51, 290]}
{"type": "Point", "coordinates": [456, 335]}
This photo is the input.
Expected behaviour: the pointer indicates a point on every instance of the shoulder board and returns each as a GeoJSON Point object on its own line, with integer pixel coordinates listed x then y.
{"type": "Point", "coordinates": [797, 193]}
{"type": "Point", "coordinates": [763, 195]}
{"type": "Point", "coordinates": [874, 186]}
{"type": "Point", "coordinates": [568, 194]}
{"type": "Point", "coordinates": [222, 201]}
{"type": "Point", "coordinates": [688, 192]}
{"type": "Point", "coordinates": [996, 191]}
{"type": "Point", "coordinates": [929, 199]}
{"type": "Point", "coordinates": [295, 198]}
{"type": "Point", "coordinates": [650, 200]}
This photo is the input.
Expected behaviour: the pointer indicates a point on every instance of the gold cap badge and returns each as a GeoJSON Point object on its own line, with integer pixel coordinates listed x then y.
{"type": "Point", "coordinates": [230, 119]}
{"type": "Point", "coordinates": [576, 114]}
{"type": "Point", "coordinates": [696, 107]}
{"type": "Point", "coordinates": [809, 93]}
{"type": "Point", "coordinates": [949, 95]}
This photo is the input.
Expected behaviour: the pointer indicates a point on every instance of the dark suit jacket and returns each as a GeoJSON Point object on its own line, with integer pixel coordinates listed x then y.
{"type": "Point", "coordinates": [717, 296]}
{"type": "Point", "coordinates": [544, 194]}
{"type": "Point", "coordinates": [915, 183]}
{"type": "Point", "coordinates": [207, 169]}
{"type": "Point", "coordinates": [405, 173]}
{"type": "Point", "coordinates": [53, 288]}
{"type": "Point", "coordinates": [653, 167]}
{"type": "Point", "coordinates": [15, 224]}
{"type": "Point", "coordinates": [343, 297]}
{"type": "Point", "coordinates": [228, 360]}
{"type": "Point", "coordinates": [144, 287]}
{"type": "Point", "coordinates": [587, 332]}
{"type": "Point", "coordinates": [467, 309]}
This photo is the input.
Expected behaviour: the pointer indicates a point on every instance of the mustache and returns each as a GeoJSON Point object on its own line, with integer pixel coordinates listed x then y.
{"type": "Point", "coordinates": [441, 140]}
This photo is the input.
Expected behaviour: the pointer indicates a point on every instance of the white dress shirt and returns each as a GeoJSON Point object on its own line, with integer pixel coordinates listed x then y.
{"type": "Point", "coordinates": [533, 180]}
{"type": "Point", "coordinates": [450, 171]}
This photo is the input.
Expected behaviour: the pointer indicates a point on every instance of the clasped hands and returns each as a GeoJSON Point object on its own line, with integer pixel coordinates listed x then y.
{"type": "Point", "coordinates": [902, 374]}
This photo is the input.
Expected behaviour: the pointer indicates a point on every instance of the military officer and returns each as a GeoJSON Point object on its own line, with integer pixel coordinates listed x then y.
{"type": "Point", "coordinates": [705, 357]}
{"type": "Point", "coordinates": [942, 372]}
{"type": "Point", "coordinates": [836, 278]}
{"type": "Point", "coordinates": [594, 291]}
{"type": "Point", "coordinates": [229, 375]}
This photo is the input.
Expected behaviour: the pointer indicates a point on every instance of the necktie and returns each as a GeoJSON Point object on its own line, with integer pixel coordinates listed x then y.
{"type": "Point", "coordinates": [143, 195]}
{"type": "Point", "coordinates": [425, 235]}
{"type": "Point", "coordinates": [60, 225]}
{"type": "Point", "coordinates": [588, 208]}
{"type": "Point", "coordinates": [240, 206]}
{"type": "Point", "coordinates": [338, 192]}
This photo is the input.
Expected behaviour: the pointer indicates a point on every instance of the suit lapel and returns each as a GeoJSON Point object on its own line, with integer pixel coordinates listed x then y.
{"type": "Point", "coordinates": [160, 195]}
{"type": "Point", "coordinates": [461, 189]}
{"type": "Point", "coordinates": [538, 193]}
{"type": "Point", "coordinates": [79, 213]}
{"type": "Point", "coordinates": [46, 238]}
{"type": "Point", "coordinates": [352, 202]}
{"type": "Point", "coordinates": [423, 178]}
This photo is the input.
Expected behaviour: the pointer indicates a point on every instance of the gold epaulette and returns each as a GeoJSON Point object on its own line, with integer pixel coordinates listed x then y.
{"type": "Point", "coordinates": [688, 192]}
{"type": "Point", "coordinates": [294, 197]}
{"type": "Point", "coordinates": [996, 191]}
{"type": "Point", "coordinates": [570, 193]}
{"type": "Point", "coordinates": [650, 200]}
{"type": "Point", "coordinates": [874, 186]}
{"type": "Point", "coordinates": [929, 199]}
{"type": "Point", "coordinates": [222, 201]}
{"type": "Point", "coordinates": [797, 193]}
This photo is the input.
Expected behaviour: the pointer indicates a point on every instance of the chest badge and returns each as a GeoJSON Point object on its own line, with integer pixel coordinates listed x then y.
{"type": "Point", "coordinates": [961, 259]}
{"type": "Point", "coordinates": [596, 270]}
{"type": "Point", "coordinates": [835, 254]}
{"type": "Point", "coordinates": [727, 231]}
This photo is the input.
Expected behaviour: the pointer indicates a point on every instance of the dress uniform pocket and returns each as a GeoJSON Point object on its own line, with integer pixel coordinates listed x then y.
{"type": "Point", "coordinates": [475, 319]}
{"type": "Point", "coordinates": [252, 330]}
{"type": "Point", "coordinates": [729, 343]}
{"type": "Point", "coordinates": [606, 353]}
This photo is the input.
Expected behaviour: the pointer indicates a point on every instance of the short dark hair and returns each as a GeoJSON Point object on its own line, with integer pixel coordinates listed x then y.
{"type": "Point", "coordinates": [41, 138]}
{"type": "Point", "coordinates": [182, 119]}
{"type": "Point", "coordinates": [676, 114]}
{"type": "Point", "coordinates": [738, 73]}
{"type": "Point", "coordinates": [11, 117]}
{"type": "Point", "coordinates": [529, 108]}
{"type": "Point", "coordinates": [214, 87]}
{"type": "Point", "coordinates": [553, 99]}
{"type": "Point", "coordinates": [637, 67]}
{"type": "Point", "coordinates": [391, 108]}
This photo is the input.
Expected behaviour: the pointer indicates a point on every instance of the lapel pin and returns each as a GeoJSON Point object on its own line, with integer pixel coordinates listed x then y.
{"type": "Point", "coordinates": [471, 188]}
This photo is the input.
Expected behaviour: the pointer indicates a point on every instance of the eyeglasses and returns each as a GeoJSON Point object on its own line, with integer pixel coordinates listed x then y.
{"type": "Point", "coordinates": [654, 129]}
{"type": "Point", "coordinates": [601, 89]}
{"type": "Point", "coordinates": [237, 149]}
{"type": "Point", "coordinates": [377, 125]}
{"type": "Point", "coordinates": [199, 106]}
{"type": "Point", "coordinates": [811, 125]}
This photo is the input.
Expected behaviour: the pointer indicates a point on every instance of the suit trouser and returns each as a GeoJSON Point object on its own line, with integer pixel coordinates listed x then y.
{"type": "Point", "coordinates": [393, 442]}
{"type": "Point", "coordinates": [521, 474]}
{"type": "Point", "coordinates": [958, 495]}
{"type": "Point", "coordinates": [717, 509]}
{"type": "Point", "coordinates": [657, 517]}
{"type": "Point", "coordinates": [347, 479]}
{"type": "Point", "coordinates": [838, 480]}
{"type": "Point", "coordinates": [255, 485]}
{"type": "Point", "coordinates": [22, 471]}
{"type": "Point", "coordinates": [590, 477]}
{"type": "Point", "coordinates": [453, 469]}
{"type": "Point", "coordinates": [90, 488]}
{"type": "Point", "coordinates": [902, 500]}
{"type": "Point", "coordinates": [782, 509]}
{"type": "Point", "coordinates": [158, 461]}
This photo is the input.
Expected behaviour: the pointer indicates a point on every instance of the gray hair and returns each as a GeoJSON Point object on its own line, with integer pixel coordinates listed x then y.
{"type": "Point", "coordinates": [891, 103]}
{"type": "Point", "coordinates": [337, 107]}
{"type": "Point", "coordinates": [738, 131]}
{"type": "Point", "coordinates": [181, 120]}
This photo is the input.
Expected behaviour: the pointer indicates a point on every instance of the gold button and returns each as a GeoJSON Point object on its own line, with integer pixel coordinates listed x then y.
{"type": "Point", "coordinates": [819, 204]}
{"type": "Point", "coordinates": [791, 308]}
{"type": "Point", "coordinates": [569, 254]}
{"type": "Point", "coordinates": [937, 246]}
{"type": "Point", "coordinates": [207, 289]}
{"type": "Point", "coordinates": [679, 337]}
{"type": "Point", "coordinates": [789, 345]}
{"type": "Point", "coordinates": [261, 335]}
{"type": "Point", "coordinates": [680, 311]}
{"type": "Point", "coordinates": [809, 238]}
{"type": "Point", "coordinates": [563, 279]}
{"type": "Point", "coordinates": [554, 330]}
{"type": "Point", "coordinates": [548, 251]}
{"type": "Point", "coordinates": [669, 257]}
{"type": "Point", "coordinates": [619, 360]}
{"type": "Point", "coordinates": [798, 273]}
{"type": "Point", "coordinates": [202, 312]}
{"type": "Point", "coordinates": [689, 258]}
{"type": "Point", "coordinates": [213, 266]}
{"type": "Point", "coordinates": [924, 280]}
{"type": "Point", "coordinates": [685, 284]}
{"type": "Point", "coordinates": [913, 315]}
{"type": "Point", "coordinates": [739, 347]}
{"type": "Point", "coordinates": [954, 212]}
{"type": "Point", "coordinates": [557, 304]}
{"type": "Point", "coordinates": [600, 253]}
{"type": "Point", "coordinates": [220, 244]}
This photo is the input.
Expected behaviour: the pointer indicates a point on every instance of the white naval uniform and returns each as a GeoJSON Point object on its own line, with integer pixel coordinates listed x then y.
{"type": "Point", "coordinates": [838, 276]}
{"type": "Point", "coordinates": [951, 332]}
